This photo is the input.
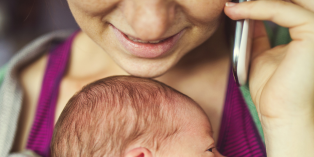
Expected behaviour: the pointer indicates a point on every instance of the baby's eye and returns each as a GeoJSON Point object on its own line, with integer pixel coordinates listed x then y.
{"type": "Point", "coordinates": [210, 149]}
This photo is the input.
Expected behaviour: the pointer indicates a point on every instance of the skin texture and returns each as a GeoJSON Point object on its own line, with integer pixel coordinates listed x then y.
{"type": "Point", "coordinates": [281, 79]}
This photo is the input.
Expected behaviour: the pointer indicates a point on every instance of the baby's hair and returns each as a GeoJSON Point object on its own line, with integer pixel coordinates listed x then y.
{"type": "Point", "coordinates": [107, 116]}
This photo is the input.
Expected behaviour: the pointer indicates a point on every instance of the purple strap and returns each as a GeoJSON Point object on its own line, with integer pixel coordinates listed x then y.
{"type": "Point", "coordinates": [42, 128]}
{"type": "Point", "coordinates": [238, 136]}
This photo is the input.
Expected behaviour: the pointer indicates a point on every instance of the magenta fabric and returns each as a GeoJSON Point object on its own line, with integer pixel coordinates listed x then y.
{"type": "Point", "coordinates": [42, 128]}
{"type": "Point", "coordinates": [238, 135]}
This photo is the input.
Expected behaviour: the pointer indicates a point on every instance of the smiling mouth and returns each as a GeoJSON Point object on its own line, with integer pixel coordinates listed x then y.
{"type": "Point", "coordinates": [146, 49]}
{"type": "Point", "coordinates": [144, 42]}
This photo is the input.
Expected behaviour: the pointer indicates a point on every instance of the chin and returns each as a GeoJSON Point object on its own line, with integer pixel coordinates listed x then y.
{"type": "Point", "coordinates": [146, 75]}
{"type": "Point", "coordinates": [147, 69]}
{"type": "Point", "coordinates": [144, 67]}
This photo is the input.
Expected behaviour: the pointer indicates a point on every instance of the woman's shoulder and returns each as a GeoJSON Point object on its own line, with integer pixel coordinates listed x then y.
{"type": "Point", "coordinates": [31, 57]}
{"type": "Point", "coordinates": [31, 77]}
{"type": "Point", "coordinates": [21, 77]}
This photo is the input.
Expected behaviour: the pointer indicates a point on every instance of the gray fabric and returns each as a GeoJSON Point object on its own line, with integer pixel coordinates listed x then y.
{"type": "Point", "coordinates": [21, 155]}
{"type": "Point", "coordinates": [26, 153]}
{"type": "Point", "coordinates": [18, 155]}
{"type": "Point", "coordinates": [11, 93]}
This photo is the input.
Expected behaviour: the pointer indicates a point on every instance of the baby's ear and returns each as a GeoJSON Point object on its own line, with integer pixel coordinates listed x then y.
{"type": "Point", "coordinates": [139, 152]}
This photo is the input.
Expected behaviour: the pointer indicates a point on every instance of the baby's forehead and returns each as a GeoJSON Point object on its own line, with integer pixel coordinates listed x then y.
{"type": "Point", "coordinates": [194, 119]}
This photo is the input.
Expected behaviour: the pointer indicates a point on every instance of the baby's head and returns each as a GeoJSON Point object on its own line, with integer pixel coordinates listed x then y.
{"type": "Point", "coordinates": [126, 116]}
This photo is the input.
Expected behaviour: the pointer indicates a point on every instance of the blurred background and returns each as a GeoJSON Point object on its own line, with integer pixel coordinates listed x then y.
{"type": "Point", "coordinates": [21, 21]}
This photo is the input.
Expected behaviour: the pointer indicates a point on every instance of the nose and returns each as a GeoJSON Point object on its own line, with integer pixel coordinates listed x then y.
{"type": "Point", "coordinates": [149, 19]}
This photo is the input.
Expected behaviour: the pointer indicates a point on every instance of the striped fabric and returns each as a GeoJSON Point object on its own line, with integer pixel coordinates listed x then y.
{"type": "Point", "coordinates": [42, 128]}
{"type": "Point", "coordinates": [238, 136]}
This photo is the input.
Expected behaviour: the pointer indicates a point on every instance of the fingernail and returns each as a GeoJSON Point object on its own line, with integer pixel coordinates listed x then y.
{"type": "Point", "coordinates": [230, 4]}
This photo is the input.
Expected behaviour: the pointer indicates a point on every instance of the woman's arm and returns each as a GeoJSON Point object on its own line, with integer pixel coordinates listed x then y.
{"type": "Point", "coordinates": [282, 78]}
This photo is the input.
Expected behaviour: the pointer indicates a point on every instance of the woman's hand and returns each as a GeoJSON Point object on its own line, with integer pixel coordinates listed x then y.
{"type": "Point", "coordinates": [281, 79]}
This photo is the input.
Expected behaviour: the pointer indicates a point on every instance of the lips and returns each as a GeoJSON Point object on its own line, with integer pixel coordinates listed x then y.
{"type": "Point", "coordinates": [147, 49]}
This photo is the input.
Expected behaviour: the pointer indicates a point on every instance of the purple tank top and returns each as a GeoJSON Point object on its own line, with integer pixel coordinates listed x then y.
{"type": "Point", "coordinates": [42, 128]}
{"type": "Point", "coordinates": [238, 135]}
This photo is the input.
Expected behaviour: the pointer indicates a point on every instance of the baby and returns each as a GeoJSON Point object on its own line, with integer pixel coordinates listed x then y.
{"type": "Point", "coordinates": [125, 116]}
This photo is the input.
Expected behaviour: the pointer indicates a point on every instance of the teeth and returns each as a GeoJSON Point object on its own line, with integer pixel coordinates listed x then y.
{"type": "Point", "coordinates": [155, 42]}
{"type": "Point", "coordinates": [144, 42]}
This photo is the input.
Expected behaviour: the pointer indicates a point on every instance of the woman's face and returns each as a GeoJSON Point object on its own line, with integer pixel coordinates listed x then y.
{"type": "Point", "coordinates": [148, 37]}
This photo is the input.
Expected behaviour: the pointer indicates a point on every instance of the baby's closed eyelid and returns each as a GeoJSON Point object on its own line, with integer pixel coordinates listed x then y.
{"type": "Point", "coordinates": [210, 149]}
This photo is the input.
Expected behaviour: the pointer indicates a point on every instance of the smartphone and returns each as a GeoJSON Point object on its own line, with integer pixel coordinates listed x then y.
{"type": "Point", "coordinates": [242, 49]}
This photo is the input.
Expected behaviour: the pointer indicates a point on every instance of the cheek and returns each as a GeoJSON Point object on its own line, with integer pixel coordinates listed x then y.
{"type": "Point", "coordinates": [89, 15]}
{"type": "Point", "coordinates": [93, 7]}
{"type": "Point", "coordinates": [203, 11]}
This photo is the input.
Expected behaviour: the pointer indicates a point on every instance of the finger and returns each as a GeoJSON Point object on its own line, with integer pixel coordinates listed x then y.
{"type": "Point", "coordinates": [260, 41]}
{"type": "Point", "coordinates": [283, 13]}
{"type": "Point", "coordinates": [307, 4]}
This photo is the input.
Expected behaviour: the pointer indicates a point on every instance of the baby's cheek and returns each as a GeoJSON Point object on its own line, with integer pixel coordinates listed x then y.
{"type": "Point", "coordinates": [216, 153]}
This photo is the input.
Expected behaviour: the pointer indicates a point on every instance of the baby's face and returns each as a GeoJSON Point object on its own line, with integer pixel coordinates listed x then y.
{"type": "Point", "coordinates": [196, 139]}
